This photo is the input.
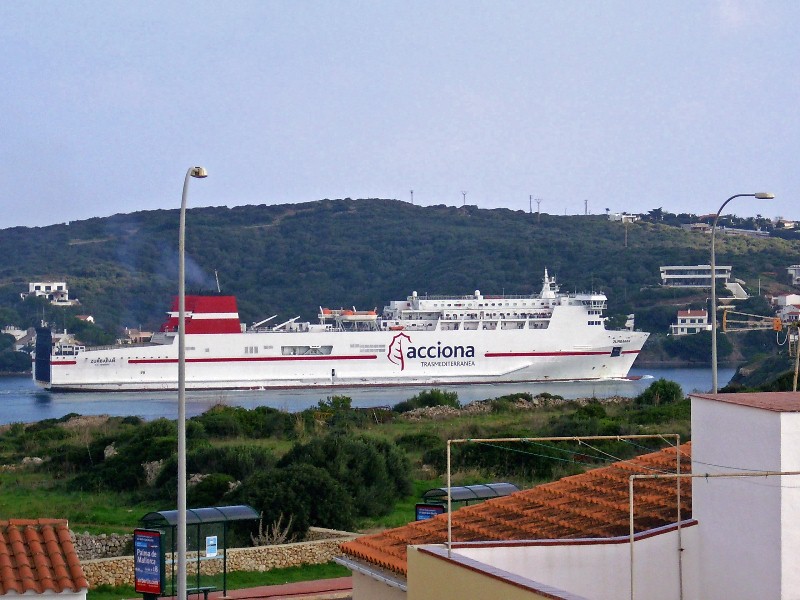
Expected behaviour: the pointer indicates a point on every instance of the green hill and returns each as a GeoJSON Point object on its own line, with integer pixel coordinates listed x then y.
{"type": "Point", "coordinates": [290, 259]}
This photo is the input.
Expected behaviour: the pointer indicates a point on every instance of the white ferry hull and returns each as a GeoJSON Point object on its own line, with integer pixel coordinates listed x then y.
{"type": "Point", "coordinates": [356, 358]}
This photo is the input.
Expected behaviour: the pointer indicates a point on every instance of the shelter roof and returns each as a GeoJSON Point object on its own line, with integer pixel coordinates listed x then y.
{"type": "Point", "coordinates": [594, 504]}
{"type": "Point", "coordinates": [37, 556]}
{"type": "Point", "coordinates": [195, 516]}
{"type": "Point", "coordinates": [472, 492]}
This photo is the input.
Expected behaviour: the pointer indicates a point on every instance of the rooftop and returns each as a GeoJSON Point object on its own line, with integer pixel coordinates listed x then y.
{"type": "Point", "coordinates": [593, 504]}
{"type": "Point", "coordinates": [774, 401]}
{"type": "Point", "coordinates": [37, 555]}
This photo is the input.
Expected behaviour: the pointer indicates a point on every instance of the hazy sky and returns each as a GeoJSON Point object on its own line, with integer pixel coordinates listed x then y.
{"type": "Point", "coordinates": [631, 105]}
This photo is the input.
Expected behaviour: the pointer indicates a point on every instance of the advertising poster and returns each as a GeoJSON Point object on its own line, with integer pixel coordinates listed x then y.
{"type": "Point", "coordinates": [428, 511]}
{"type": "Point", "coordinates": [147, 562]}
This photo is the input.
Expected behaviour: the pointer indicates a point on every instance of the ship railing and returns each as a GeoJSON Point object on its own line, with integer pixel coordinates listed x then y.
{"type": "Point", "coordinates": [483, 296]}
{"type": "Point", "coordinates": [126, 345]}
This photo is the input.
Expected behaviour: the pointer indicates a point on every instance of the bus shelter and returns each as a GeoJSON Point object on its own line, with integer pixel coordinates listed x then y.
{"type": "Point", "coordinates": [204, 528]}
{"type": "Point", "coordinates": [469, 493]}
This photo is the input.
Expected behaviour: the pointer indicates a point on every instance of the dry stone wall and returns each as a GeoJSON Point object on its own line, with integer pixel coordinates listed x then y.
{"type": "Point", "coordinates": [91, 547]}
{"type": "Point", "coordinates": [119, 571]}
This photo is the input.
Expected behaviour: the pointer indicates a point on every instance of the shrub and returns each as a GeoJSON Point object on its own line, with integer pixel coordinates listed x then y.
{"type": "Point", "coordinates": [209, 491]}
{"type": "Point", "coordinates": [660, 392]}
{"type": "Point", "coordinates": [422, 440]}
{"type": "Point", "coordinates": [306, 494]}
{"type": "Point", "coordinates": [233, 421]}
{"type": "Point", "coordinates": [428, 398]}
{"type": "Point", "coordinates": [239, 461]}
{"type": "Point", "coordinates": [373, 472]}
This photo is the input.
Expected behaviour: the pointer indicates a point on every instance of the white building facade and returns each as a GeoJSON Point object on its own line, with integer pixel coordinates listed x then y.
{"type": "Point", "coordinates": [55, 291]}
{"type": "Point", "coordinates": [689, 322]}
{"type": "Point", "coordinates": [698, 276]}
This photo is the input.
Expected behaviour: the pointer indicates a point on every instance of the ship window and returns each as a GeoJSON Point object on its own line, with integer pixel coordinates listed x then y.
{"type": "Point", "coordinates": [616, 351]}
{"type": "Point", "coordinates": [306, 350]}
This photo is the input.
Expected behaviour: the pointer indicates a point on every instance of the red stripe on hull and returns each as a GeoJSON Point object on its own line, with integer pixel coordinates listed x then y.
{"type": "Point", "coordinates": [516, 354]}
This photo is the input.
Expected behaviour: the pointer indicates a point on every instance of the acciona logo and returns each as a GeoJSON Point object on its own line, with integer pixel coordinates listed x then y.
{"type": "Point", "coordinates": [402, 348]}
{"type": "Point", "coordinates": [396, 352]}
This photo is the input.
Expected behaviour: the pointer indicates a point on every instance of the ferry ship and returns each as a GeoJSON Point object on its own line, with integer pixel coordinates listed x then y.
{"type": "Point", "coordinates": [422, 340]}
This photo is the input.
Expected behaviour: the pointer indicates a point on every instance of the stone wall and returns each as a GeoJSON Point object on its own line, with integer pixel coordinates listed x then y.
{"type": "Point", "coordinates": [91, 547]}
{"type": "Point", "coordinates": [119, 571]}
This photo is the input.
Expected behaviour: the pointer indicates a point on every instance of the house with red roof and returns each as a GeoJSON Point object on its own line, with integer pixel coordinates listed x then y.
{"type": "Point", "coordinates": [38, 559]}
{"type": "Point", "coordinates": [690, 321]}
{"type": "Point", "coordinates": [729, 531]}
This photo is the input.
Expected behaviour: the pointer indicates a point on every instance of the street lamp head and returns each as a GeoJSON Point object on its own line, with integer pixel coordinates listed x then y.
{"type": "Point", "coordinates": [198, 172]}
{"type": "Point", "coordinates": [764, 196]}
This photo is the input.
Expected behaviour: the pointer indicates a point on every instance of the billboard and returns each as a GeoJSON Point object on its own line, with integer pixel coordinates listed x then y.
{"type": "Point", "coordinates": [148, 562]}
{"type": "Point", "coordinates": [428, 511]}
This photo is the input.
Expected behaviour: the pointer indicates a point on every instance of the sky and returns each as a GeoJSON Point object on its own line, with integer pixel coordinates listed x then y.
{"type": "Point", "coordinates": [586, 106]}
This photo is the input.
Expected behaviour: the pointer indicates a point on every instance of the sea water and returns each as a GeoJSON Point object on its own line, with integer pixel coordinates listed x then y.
{"type": "Point", "coordinates": [21, 401]}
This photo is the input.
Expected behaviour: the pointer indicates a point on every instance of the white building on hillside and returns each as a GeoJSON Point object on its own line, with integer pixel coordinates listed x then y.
{"type": "Point", "coordinates": [623, 217]}
{"type": "Point", "coordinates": [786, 299]}
{"type": "Point", "coordinates": [693, 276]}
{"type": "Point", "coordinates": [689, 322]}
{"type": "Point", "coordinates": [55, 291]}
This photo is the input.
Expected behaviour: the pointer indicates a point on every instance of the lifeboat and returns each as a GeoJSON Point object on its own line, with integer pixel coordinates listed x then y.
{"type": "Point", "coordinates": [328, 313]}
{"type": "Point", "coordinates": [359, 315]}
{"type": "Point", "coordinates": [396, 327]}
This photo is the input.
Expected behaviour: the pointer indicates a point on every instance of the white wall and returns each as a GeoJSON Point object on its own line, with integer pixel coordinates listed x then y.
{"type": "Point", "coordinates": [790, 506]}
{"type": "Point", "coordinates": [740, 524]}
{"type": "Point", "coordinates": [601, 570]}
{"type": "Point", "coordinates": [367, 588]}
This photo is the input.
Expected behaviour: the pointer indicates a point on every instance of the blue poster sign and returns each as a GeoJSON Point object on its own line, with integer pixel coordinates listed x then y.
{"type": "Point", "coordinates": [428, 511]}
{"type": "Point", "coordinates": [211, 546]}
{"type": "Point", "coordinates": [148, 562]}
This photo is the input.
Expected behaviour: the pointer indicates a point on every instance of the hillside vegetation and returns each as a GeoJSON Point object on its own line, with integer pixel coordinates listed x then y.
{"type": "Point", "coordinates": [290, 259]}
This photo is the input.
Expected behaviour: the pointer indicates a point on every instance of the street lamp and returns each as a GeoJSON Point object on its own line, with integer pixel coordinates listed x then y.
{"type": "Point", "coordinates": [760, 196]}
{"type": "Point", "coordinates": [199, 173]}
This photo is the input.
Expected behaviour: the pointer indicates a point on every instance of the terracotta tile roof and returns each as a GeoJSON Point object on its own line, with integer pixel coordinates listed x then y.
{"type": "Point", "coordinates": [37, 555]}
{"type": "Point", "coordinates": [590, 505]}
{"type": "Point", "coordinates": [692, 313]}
{"type": "Point", "coordinates": [774, 401]}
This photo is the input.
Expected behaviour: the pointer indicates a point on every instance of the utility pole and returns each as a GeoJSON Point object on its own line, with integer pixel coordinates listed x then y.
{"type": "Point", "coordinates": [585, 207]}
{"type": "Point", "coordinates": [538, 210]}
{"type": "Point", "coordinates": [464, 194]}
{"type": "Point", "coordinates": [412, 196]}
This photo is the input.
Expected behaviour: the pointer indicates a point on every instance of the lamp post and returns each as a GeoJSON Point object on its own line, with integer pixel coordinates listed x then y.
{"type": "Point", "coordinates": [197, 172]}
{"type": "Point", "coordinates": [760, 196]}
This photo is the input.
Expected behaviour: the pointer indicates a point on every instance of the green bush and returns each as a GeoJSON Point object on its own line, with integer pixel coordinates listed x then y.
{"type": "Point", "coordinates": [428, 398]}
{"type": "Point", "coordinates": [233, 421]}
{"type": "Point", "coordinates": [422, 440]}
{"type": "Point", "coordinates": [210, 491]}
{"type": "Point", "coordinates": [373, 472]}
{"type": "Point", "coordinates": [660, 392]}
{"type": "Point", "coordinates": [308, 495]}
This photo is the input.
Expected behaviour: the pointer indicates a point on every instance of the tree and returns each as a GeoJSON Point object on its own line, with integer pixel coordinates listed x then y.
{"type": "Point", "coordinates": [306, 494]}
